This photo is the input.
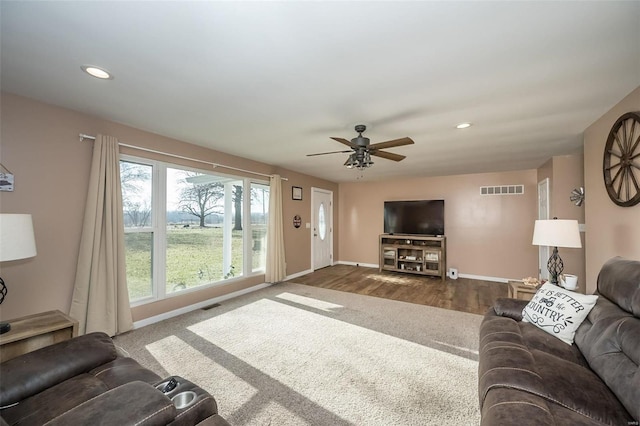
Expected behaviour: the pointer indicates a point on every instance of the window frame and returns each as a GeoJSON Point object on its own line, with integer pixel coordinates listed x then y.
{"type": "Point", "coordinates": [158, 228]}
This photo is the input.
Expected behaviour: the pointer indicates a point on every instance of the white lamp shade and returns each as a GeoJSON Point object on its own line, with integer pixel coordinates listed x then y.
{"type": "Point", "coordinates": [16, 237]}
{"type": "Point", "coordinates": [557, 233]}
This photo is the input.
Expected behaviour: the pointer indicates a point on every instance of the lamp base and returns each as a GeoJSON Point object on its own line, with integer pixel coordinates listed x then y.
{"type": "Point", "coordinates": [555, 266]}
{"type": "Point", "coordinates": [4, 326]}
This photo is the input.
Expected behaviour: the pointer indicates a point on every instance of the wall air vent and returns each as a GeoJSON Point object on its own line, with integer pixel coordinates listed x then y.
{"type": "Point", "coordinates": [502, 190]}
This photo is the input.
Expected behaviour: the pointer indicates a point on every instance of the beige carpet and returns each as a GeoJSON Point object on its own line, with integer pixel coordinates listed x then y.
{"type": "Point", "coordinates": [297, 355]}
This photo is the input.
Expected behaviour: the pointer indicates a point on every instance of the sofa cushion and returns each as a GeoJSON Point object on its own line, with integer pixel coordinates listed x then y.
{"type": "Point", "coordinates": [504, 354]}
{"type": "Point", "coordinates": [579, 389]}
{"type": "Point", "coordinates": [123, 370]}
{"type": "Point", "coordinates": [520, 357]}
{"type": "Point", "coordinates": [557, 311]}
{"type": "Point", "coordinates": [134, 403]}
{"type": "Point", "coordinates": [511, 308]}
{"type": "Point", "coordinates": [619, 281]}
{"type": "Point", "coordinates": [36, 371]}
{"type": "Point", "coordinates": [505, 406]}
{"type": "Point", "coordinates": [50, 403]}
{"type": "Point", "coordinates": [610, 336]}
{"type": "Point", "coordinates": [504, 329]}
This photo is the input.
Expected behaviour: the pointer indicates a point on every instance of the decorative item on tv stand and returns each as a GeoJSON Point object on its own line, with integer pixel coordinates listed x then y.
{"type": "Point", "coordinates": [556, 233]}
{"type": "Point", "coordinates": [422, 255]}
{"type": "Point", "coordinates": [16, 242]}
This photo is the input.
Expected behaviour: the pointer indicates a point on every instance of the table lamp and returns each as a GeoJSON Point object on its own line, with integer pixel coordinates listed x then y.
{"type": "Point", "coordinates": [556, 233]}
{"type": "Point", "coordinates": [16, 242]}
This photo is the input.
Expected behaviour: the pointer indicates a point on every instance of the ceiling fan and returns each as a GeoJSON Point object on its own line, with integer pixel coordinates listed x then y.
{"type": "Point", "coordinates": [360, 158]}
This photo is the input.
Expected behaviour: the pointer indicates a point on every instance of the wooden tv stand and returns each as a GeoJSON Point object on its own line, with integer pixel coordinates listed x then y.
{"type": "Point", "coordinates": [413, 254]}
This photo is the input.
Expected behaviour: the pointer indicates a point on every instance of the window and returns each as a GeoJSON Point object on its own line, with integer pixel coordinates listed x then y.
{"type": "Point", "coordinates": [259, 223]}
{"type": "Point", "coordinates": [136, 182]}
{"type": "Point", "coordinates": [322, 224]}
{"type": "Point", "coordinates": [185, 228]}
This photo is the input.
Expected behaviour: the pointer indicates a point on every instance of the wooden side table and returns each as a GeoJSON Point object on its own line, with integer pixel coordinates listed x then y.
{"type": "Point", "coordinates": [36, 331]}
{"type": "Point", "coordinates": [518, 290]}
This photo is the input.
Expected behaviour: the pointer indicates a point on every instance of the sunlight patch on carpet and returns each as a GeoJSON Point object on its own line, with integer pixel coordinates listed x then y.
{"type": "Point", "coordinates": [309, 301]}
{"type": "Point", "coordinates": [380, 378]}
{"type": "Point", "coordinates": [191, 364]}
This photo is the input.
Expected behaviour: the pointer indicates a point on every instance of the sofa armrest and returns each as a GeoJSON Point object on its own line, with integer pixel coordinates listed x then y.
{"type": "Point", "coordinates": [36, 371]}
{"type": "Point", "coordinates": [510, 308]}
{"type": "Point", "coordinates": [132, 403]}
{"type": "Point", "coordinates": [201, 407]}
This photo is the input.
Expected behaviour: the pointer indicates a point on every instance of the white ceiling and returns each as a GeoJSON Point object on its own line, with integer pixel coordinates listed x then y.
{"type": "Point", "coordinates": [272, 81]}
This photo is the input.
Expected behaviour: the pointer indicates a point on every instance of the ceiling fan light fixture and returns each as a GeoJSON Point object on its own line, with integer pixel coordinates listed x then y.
{"type": "Point", "coordinates": [367, 160]}
{"type": "Point", "coordinates": [463, 125]}
{"type": "Point", "coordinates": [351, 162]}
{"type": "Point", "coordinates": [363, 150]}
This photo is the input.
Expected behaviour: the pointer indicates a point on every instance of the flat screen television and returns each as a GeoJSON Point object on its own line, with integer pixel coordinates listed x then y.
{"type": "Point", "coordinates": [422, 217]}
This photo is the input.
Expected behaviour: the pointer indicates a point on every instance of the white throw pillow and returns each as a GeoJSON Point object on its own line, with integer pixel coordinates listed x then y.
{"type": "Point", "coordinates": [557, 311]}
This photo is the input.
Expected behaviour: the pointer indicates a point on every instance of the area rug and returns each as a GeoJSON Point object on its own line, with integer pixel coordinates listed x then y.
{"type": "Point", "coordinates": [292, 354]}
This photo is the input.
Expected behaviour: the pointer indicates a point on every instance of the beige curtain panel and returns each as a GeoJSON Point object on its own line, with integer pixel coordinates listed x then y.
{"type": "Point", "coordinates": [275, 269]}
{"type": "Point", "coordinates": [100, 296]}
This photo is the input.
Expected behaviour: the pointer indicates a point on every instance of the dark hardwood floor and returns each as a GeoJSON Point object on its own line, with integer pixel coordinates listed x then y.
{"type": "Point", "coordinates": [463, 294]}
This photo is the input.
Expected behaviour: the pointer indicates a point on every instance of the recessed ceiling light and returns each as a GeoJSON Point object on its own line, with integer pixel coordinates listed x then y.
{"type": "Point", "coordinates": [97, 72]}
{"type": "Point", "coordinates": [463, 125]}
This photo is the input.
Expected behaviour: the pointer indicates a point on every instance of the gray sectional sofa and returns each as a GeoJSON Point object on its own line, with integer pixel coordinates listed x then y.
{"type": "Point", "coordinates": [84, 381]}
{"type": "Point", "coordinates": [527, 376]}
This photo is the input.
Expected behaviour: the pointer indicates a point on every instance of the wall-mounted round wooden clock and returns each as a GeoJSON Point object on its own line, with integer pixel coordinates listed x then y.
{"type": "Point", "coordinates": [621, 164]}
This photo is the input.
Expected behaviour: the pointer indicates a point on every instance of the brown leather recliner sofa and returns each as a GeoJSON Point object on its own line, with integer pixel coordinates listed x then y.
{"type": "Point", "coordinates": [529, 377]}
{"type": "Point", "coordinates": [84, 381]}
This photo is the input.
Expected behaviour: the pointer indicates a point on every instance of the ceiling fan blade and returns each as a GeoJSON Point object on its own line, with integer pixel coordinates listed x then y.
{"type": "Point", "coordinates": [392, 143]}
{"type": "Point", "coordinates": [388, 155]}
{"type": "Point", "coordinates": [346, 142]}
{"type": "Point", "coordinates": [331, 152]}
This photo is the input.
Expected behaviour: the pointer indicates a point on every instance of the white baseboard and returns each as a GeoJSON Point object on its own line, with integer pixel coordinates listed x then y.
{"type": "Point", "coordinates": [199, 305]}
{"type": "Point", "coordinates": [483, 278]}
{"type": "Point", "coordinates": [298, 274]}
{"type": "Point", "coordinates": [470, 276]}
{"type": "Point", "coordinates": [366, 265]}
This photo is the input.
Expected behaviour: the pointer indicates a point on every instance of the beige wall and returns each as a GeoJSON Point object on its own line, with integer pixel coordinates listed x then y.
{"type": "Point", "coordinates": [39, 144]}
{"type": "Point", "coordinates": [566, 173]}
{"type": "Point", "coordinates": [611, 230]}
{"type": "Point", "coordinates": [487, 236]}
{"type": "Point", "coordinates": [299, 254]}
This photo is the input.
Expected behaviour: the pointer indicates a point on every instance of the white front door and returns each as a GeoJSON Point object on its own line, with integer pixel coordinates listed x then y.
{"type": "Point", "coordinates": [543, 213]}
{"type": "Point", "coordinates": [322, 228]}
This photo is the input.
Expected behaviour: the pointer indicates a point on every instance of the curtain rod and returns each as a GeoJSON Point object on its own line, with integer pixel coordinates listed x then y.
{"type": "Point", "coordinates": [214, 165]}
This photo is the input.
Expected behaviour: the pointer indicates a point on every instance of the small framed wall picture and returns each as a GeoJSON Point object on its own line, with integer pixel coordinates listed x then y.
{"type": "Point", "coordinates": [6, 179]}
{"type": "Point", "coordinates": [296, 193]}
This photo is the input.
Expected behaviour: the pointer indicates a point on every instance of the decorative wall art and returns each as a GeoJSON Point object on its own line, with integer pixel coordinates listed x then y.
{"type": "Point", "coordinates": [6, 179]}
{"type": "Point", "coordinates": [577, 196]}
{"type": "Point", "coordinates": [620, 164]}
{"type": "Point", "coordinates": [296, 193]}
